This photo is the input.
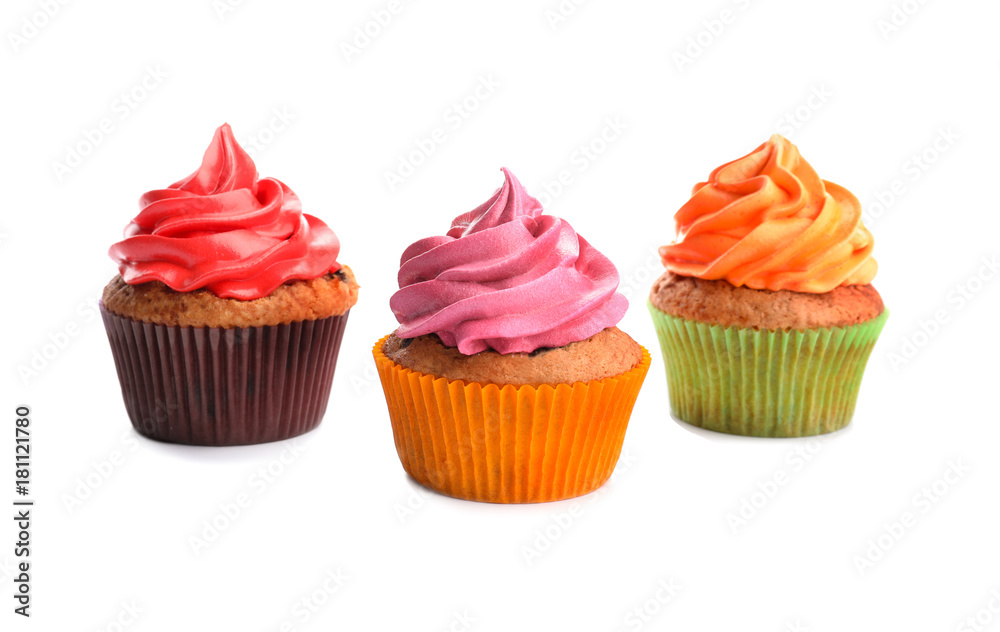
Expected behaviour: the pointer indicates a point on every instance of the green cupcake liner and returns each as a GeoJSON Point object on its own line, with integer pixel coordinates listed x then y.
{"type": "Point", "coordinates": [764, 383]}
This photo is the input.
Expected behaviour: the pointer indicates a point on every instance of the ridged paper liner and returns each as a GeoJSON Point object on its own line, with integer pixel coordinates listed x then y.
{"type": "Point", "coordinates": [212, 386]}
{"type": "Point", "coordinates": [508, 444]}
{"type": "Point", "coordinates": [764, 383]}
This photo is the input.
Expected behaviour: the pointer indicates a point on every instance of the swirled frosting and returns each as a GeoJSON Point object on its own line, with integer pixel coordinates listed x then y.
{"type": "Point", "coordinates": [223, 229]}
{"type": "Point", "coordinates": [508, 278]}
{"type": "Point", "coordinates": [767, 221]}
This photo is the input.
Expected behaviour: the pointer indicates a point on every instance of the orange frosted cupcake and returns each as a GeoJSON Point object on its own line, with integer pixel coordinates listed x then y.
{"type": "Point", "coordinates": [766, 314]}
{"type": "Point", "coordinates": [507, 379]}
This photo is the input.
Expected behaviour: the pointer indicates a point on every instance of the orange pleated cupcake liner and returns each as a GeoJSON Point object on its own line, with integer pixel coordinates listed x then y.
{"type": "Point", "coordinates": [508, 444]}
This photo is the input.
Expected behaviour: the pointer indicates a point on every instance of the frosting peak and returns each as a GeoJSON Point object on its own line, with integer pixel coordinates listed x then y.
{"type": "Point", "coordinates": [768, 221]}
{"type": "Point", "coordinates": [508, 278]}
{"type": "Point", "coordinates": [509, 202]}
{"type": "Point", "coordinates": [223, 229]}
{"type": "Point", "coordinates": [224, 167]}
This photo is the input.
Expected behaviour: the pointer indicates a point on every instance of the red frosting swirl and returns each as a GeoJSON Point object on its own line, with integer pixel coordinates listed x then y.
{"type": "Point", "coordinates": [223, 229]}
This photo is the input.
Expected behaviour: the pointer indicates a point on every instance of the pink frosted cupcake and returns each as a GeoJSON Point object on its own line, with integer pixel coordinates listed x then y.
{"type": "Point", "coordinates": [507, 379]}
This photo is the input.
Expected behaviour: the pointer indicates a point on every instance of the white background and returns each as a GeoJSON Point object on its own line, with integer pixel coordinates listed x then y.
{"type": "Point", "coordinates": [344, 502]}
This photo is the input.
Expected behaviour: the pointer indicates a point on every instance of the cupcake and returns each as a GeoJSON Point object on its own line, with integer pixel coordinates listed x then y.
{"type": "Point", "coordinates": [766, 314]}
{"type": "Point", "coordinates": [507, 380]}
{"type": "Point", "coordinates": [227, 315]}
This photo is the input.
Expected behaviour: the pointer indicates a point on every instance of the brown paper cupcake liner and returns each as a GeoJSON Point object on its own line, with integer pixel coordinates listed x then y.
{"type": "Point", "coordinates": [214, 387]}
{"type": "Point", "coordinates": [508, 444]}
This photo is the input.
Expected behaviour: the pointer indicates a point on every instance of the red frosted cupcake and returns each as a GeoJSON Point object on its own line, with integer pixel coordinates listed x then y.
{"type": "Point", "coordinates": [227, 316]}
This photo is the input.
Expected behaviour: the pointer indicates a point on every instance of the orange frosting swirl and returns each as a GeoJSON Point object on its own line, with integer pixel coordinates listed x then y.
{"type": "Point", "coordinates": [768, 222]}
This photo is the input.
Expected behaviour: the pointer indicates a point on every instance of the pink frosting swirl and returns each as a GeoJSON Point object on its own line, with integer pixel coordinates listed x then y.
{"type": "Point", "coordinates": [508, 278]}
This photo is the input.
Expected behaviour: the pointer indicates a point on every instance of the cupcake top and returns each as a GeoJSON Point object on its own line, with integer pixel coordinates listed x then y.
{"type": "Point", "coordinates": [506, 277]}
{"type": "Point", "coordinates": [224, 229]}
{"type": "Point", "coordinates": [768, 222]}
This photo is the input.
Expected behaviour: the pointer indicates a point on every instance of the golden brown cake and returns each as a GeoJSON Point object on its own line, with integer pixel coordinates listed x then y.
{"type": "Point", "coordinates": [153, 302]}
{"type": "Point", "coordinates": [608, 353]}
{"type": "Point", "coordinates": [722, 303]}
